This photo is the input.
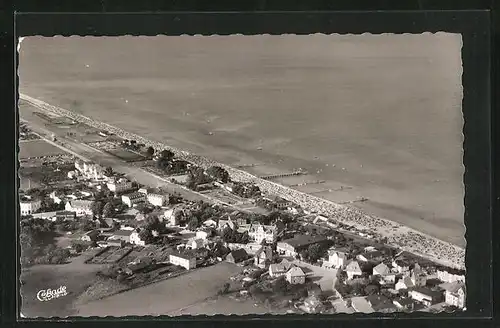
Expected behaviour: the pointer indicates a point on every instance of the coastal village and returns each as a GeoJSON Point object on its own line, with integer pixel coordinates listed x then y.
{"type": "Point", "coordinates": [288, 256]}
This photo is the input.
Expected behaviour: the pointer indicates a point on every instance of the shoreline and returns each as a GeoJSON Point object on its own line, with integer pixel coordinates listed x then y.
{"type": "Point", "coordinates": [398, 235]}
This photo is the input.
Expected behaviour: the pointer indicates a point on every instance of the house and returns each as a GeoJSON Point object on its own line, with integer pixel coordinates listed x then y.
{"type": "Point", "coordinates": [80, 207]}
{"type": "Point", "coordinates": [45, 215]}
{"type": "Point", "coordinates": [144, 191]}
{"type": "Point", "coordinates": [381, 270]}
{"type": "Point", "coordinates": [56, 197]}
{"type": "Point", "coordinates": [336, 259]}
{"type": "Point", "coordinates": [418, 276]}
{"type": "Point", "coordinates": [203, 234]}
{"type": "Point", "coordinates": [454, 294]}
{"type": "Point", "coordinates": [293, 246]}
{"type": "Point", "coordinates": [426, 295]}
{"type": "Point", "coordinates": [157, 199]}
{"type": "Point", "coordinates": [295, 276]}
{"type": "Point", "coordinates": [380, 303]}
{"type": "Point", "coordinates": [90, 170]}
{"type": "Point", "coordinates": [133, 198]}
{"type": "Point", "coordinates": [136, 239]}
{"type": "Point", "coordinates": [90, 236]}
{"type": "Point", "coordinates": [405, 303]}
{"type": "Point", "coordinates": [65, 215]}
{"type": "Point", "coordinates": [30, 206]}
{"type": "Point", "coordinates": [139, 265]}
{"type": "Point", "coordinates": [259, 232]}
{"type": "Point", "coordinates": [263, 256]}
{"type": "Point", "coordinates": [195, 243]}
{"type": "Point", "coordinates": [237, 256]}
{"type": "Point", "coordinates": [280, 269]}
{"type": "Point", "coordinates": [120, 187]}
{"type": "Point", "coordinates": [210, 223]}
{"type": "Point", "coordinates": [370, 256]}
{"type": "Point", "coordinates": [183, 260]}
{"type": "Point", "coordinates": [122, 235]}
{"type": "Point", "coordinates": [353, 270]}
{"type": "Point", "coordinates": [449, 275]}
{"type": "Point", "coordinates": [226, 223]}
{"type": "Point", "coordinates": [404, 283]}
{"type": "Point", "coordinates": [388, 279]}
{"type": "Point", "coordinates": [401, 265]}
{"type": "Point", "coordinates": [281, 203]}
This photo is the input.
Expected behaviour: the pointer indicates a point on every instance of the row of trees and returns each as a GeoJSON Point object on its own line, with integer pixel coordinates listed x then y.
{"type": "Point", "coordinates": [246, 190]}
{"type": "Point", "coordinates": [232, 236]}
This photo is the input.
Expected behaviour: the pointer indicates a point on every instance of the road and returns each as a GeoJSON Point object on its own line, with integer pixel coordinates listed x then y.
{"type": "Point", "coordinates": [85, 152]}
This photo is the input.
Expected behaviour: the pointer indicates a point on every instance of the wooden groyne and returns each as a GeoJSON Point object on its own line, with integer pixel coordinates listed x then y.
{"type": "Point", "coordinates": [283, 175]}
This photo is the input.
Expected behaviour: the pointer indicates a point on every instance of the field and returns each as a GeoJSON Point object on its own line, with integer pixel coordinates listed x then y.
{"type": "Point", "coordinates": [156, 299]}
{"type": "Point", "coordinates": [37, 148]}
{"type": "Point", "coordinates": [381, 114]}
{"type": "Point", "coordinates": [76, 276]}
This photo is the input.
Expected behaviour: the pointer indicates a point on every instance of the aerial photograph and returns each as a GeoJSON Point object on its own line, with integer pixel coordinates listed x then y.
{"type": "Point", "coordinates": [236, 175]}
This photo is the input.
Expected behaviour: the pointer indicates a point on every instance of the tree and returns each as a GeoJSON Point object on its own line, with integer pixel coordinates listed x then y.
{"type": "Point", "coordinates": [146, 235]}
{"type": "Point", "coordinates": [372, 289]}
{"type": "Point", "coordinates": [315, 252]}
{"type": "Point", "coordinates": [86, 224]}
{"type": "Point", "coordinates": [218, 173]}
{"type": "Point", "coordinates": [108, 171]}
{"type": "Point", "coordinates": [193, 223]}
{"type": "Point", "coordinates": [280, 285]}
{"type": "Point", "coordinates": [227, 235]}
{"type": "Point", "coordinates": [97, 208]}
{"type": "Point", "coordinates": [150, 151]}
{"type": "Point", "coordinates": [108, 210]}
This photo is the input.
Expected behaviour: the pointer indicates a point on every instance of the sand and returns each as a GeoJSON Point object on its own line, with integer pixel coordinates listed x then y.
{"type": "Point", "coordinates": [386, 110]}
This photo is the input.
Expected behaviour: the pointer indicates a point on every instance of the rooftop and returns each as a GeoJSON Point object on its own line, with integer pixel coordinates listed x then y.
{"type": "Point", "coordinates": [182, 256]}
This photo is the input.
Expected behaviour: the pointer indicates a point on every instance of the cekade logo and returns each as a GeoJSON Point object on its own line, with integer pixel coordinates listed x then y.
{"type": "Point", "coordinates": [45, 295]}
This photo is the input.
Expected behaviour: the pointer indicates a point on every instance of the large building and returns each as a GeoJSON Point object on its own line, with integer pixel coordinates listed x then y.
{"type": "Point", "coordinates": [186, 261]}
{"type": "Point", "coordinates": [80, 207]}
{"type": "Point", "coordinates": [156, 199]}
{"type": "Point", "coordinates": [293, 246]}
{"type": "Point", "coordinates": [258, 232]}
{"type": "Point", "coordinates": [133, 198]}
{"type": "Point", "coordinates": [119, 187]}
{"type": "Point", "coordinates": [30, 206]}
{"type": "Point", "coordinates": [90, 170]}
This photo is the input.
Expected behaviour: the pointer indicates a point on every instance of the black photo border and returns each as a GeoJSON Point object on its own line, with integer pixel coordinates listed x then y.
{"type": "Point", "coordinates": [100, 18]}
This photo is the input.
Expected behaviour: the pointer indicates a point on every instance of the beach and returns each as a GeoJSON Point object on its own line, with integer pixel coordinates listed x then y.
{"type": "Point", "coordinates": [385, 119]}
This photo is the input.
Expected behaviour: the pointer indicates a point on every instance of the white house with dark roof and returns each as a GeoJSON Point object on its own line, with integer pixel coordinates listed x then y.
{"type": "Point", "coordinates": [183, 260]}
{"type": "Point", "coordinates": [156, 199]}
{"type": "Point", "coordinates": [30, 206]}
{"type": "Point", "coordinates": [133, 198]}
{"type": "Point", "coordinates": [455, 294]}
{"type": "Point", "coordinates": [80, 207]}
{"type": "Point", "coordinates": [404, 283]}
{"type": "Point", "coordinates": [280, 269]}
{"type": "Point", "coordinates": [336, 259]}
{"type": "Point", "coordinates": [295, 276]}
{"type": "Point", "coordinates": [119, 187]}
{"type": "Point", "coordinates": [259, 232]}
